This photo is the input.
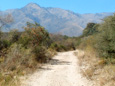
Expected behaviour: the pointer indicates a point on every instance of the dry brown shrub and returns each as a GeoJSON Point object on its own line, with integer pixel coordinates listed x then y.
{"type": "Point", "coordinates": [96, 69]}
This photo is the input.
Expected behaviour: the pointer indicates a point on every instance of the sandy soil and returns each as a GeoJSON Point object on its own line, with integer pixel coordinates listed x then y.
{"type": "Point", "coordinates": [63, 70]}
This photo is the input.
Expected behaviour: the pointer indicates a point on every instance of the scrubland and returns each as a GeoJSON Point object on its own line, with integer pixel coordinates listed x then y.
{"type": "Point", "coordinates": [22, 53]}
{"type": "Point", "coordinates": [97, 52]}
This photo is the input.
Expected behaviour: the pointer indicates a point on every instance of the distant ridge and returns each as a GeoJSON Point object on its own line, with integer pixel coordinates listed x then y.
{"type": "Point", "coordinates": [55, 20]}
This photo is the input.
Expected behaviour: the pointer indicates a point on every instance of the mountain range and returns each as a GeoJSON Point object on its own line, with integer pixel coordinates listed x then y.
{"type": "Point", "coordinates": [55, 20]}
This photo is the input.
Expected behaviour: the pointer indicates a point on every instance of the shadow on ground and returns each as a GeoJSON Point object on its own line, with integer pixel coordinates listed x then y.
{"type": "Point", "coordinates": [58, 62]}
{"type": "Point", "coordinates": [42, 68]}
{"type": "Point", "coordinates": [54, 62]}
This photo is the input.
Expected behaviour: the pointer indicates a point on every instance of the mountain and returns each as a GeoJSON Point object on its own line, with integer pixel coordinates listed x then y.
{"type": "Point", "coordinates": [55, 20]}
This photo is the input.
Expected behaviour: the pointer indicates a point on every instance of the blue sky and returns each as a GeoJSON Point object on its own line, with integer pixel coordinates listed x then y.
{"type": "Point", "coordinates": [78, 6]}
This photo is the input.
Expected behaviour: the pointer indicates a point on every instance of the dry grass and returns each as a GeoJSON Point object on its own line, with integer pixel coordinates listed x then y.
{"type": "Point", "coordinates": [19, 62]}
{"type": "Point", "coordinates": [96, 69]}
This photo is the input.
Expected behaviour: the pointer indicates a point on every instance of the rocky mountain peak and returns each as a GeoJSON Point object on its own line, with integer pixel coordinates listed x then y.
{"type": "Point", "coordinates": [32, 5]}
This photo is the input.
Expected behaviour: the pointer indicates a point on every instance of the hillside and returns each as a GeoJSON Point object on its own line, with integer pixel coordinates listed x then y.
{"type": "Point", "coordinates": [55, 20]}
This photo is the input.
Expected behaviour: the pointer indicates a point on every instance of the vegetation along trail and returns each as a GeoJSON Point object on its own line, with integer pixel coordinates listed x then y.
{"type": "Point", "coordinates": [63, 70]}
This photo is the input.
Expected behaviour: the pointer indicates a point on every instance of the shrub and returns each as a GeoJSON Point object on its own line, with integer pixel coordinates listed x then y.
{"type": "Point", "coordinates": [14, 35]}
{"type": "Point", "coordinates": [106, 38]}
{"type": "Point", "coordinates": [17, 56]}
{"type": "Point", "coordinates": [4, 44]}
{"type": "Point", "coordinates": [34, 35]}
{"type": "Point", "coordinates": [40, 52]}
{"type": "Point", "coordinates": [24, 40]}
{"type": "Point", "coordinates": [91, 29]}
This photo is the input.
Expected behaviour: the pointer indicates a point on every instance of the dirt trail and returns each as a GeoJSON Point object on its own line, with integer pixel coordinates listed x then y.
{"type": "Point", "coordinates": [63, 70]}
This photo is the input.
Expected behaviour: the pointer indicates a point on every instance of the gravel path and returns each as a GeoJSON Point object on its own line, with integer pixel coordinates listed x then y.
{"type": "Point", "coordinates": [63, 70]}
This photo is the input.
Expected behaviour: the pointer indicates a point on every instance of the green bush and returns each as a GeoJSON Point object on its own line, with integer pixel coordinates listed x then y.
{"type": "Point", "coordinates": [54, 46]}
{"type": "Point", "coordinates": [40, 53]}
{"type": "Point", "coordinates": [91, 29]}
{"type": "Point", "coordinates": [4, 44]}
{"type": "Point", "coordinates": [24, 40]}
{"type": "Point", "coordinates": [105, 40]}
{"type": "Point", "coordinates": [34, 36]}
